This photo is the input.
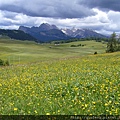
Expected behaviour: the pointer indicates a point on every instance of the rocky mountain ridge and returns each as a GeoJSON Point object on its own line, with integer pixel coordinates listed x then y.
{"type": "Point", "coordinates": [46, 32]}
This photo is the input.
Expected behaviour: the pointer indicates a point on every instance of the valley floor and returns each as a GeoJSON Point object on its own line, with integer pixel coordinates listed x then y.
{"type": "Point", "coordinates": [22, 52]}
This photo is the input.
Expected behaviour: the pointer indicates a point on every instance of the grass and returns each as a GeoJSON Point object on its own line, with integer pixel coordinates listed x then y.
{"type": "Point", "coordinates": [87, 85]}
{"type": "Point", "coordinates": [20, 52]}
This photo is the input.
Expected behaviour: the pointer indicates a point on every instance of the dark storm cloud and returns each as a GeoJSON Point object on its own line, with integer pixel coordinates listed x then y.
{"type": "Point", "coordinates": [53, 8]}
{"type": "Point", "coordinates": [100, 15]}
{"type": "Point", "coordinates": [102, 4]}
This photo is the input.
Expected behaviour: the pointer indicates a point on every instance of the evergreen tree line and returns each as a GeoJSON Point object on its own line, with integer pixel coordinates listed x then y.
{"type": "Point", "coordinates": [80, 39]}
{"type": "Point", "coordinates": [113, 44]}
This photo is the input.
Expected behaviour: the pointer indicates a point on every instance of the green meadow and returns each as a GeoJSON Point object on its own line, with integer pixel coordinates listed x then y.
{"type": "Point", "coordinates": [20, 52]}
{"type": "Point", "coordinates": [49, 79]}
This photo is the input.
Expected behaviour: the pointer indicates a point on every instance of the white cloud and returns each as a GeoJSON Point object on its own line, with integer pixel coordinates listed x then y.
{"type": "Point", "coordinates": [104, 22]}
{"type": "Point", "coordinates": [115, 21]}
{"type": "Point", "coordinates": [101, 16]}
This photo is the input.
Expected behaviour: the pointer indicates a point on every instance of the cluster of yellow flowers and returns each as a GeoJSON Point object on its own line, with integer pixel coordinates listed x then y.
{"type": "Point", "coordinates": [87, 85]}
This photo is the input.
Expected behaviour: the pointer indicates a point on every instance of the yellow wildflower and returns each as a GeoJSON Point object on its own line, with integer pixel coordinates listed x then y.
{"type": "Point", "coordinates": [15, 109]}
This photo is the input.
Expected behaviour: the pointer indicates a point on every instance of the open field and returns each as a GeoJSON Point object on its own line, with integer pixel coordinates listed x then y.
{"type": "Point", "coordinates": [61, 79]}
{"type": "Point", "coordinates": [88, 85]}
{"type": "Point", "coordinates": [19, 52]}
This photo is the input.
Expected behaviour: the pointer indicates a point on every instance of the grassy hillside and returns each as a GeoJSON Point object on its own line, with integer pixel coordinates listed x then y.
{"type": "Point", "coordinates": [17, 34]}
{"type": "Point", "coordinates": [19, 52]}
{"type": "Point", "coordinates": [60, 79]}
{"type": "Point", "coordinates": [88, 85]}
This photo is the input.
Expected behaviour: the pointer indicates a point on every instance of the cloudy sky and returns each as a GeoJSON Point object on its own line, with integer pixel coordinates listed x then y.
{"type": "Point", "coordinates": [102, 16]}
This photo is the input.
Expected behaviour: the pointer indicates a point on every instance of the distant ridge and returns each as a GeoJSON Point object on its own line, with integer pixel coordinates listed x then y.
{"type": "Point", "coordinates": [17, 34]}
{"type": "Point", "coordinates": [82, 33]}
{"type": "Point", "coordinates": [46, 32]}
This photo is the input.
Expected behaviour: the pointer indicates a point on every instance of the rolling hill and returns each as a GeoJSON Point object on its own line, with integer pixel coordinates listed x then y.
{"type": "Point", "coordinates": [21, 52]}
{"type": "Point", "coordinates": [17, 34]}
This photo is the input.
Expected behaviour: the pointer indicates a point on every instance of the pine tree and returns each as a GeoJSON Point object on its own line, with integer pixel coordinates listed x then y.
{"type": "Point", "coordinates": [119, 43]}
{"type": "Point", "coordinates": [112, 43]}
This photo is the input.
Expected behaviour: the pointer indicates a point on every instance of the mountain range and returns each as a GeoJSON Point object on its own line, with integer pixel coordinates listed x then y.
{"type": "Point", "coordinates": [46, 33]}
{"type": "Point", "coordinates": [82, 33]}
